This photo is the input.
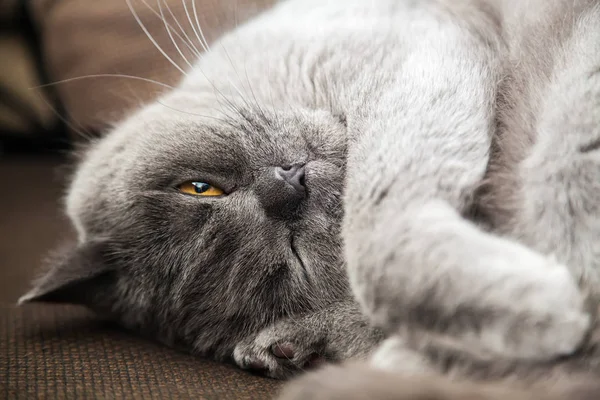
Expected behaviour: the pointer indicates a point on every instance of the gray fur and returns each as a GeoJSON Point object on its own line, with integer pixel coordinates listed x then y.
{"type": "Point", "coordinates": [452, 169]}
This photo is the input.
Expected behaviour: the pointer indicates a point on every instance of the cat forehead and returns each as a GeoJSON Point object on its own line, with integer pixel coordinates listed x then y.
{"type": "Point", "coordinates": [156, 136]}
{"type": "Point", "coordinates": [181, 120]}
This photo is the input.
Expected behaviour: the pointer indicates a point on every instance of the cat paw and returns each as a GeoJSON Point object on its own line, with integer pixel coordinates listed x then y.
{"type": "Point", "coordinates": [496, 297]}
{"type": "Point", "coordinates": [280, 351]}
{"type": "Point", "coordinates": [551, 319]}
{"type": "Point", "coordinates": [394, 355]}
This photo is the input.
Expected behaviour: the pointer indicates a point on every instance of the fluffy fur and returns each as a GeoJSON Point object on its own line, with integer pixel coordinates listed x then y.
{"type": "Point", "coordinates": [452, 167]}
{"type": "Point", "coordinates": [358, 382]}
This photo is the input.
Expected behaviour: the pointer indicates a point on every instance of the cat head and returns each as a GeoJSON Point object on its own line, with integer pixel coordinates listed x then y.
{"type": "Point", "coordinates": [198, 229]}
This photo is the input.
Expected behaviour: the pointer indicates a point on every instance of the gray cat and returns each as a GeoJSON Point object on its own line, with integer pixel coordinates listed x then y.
{"type": "Point", "coordinates": [436, 160]}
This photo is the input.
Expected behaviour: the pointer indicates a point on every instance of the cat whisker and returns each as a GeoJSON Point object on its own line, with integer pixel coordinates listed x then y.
{"type": "Point", "coordinates": [200, 36]}
{"type": "Point", "coordinates": [237, 89]}
{"type": "Point", "coordinates": [260, 109]}
{"type": "Point", "coordinates": [263, 115]}
{"type": "Point", "coordinates": [189, 40]}
{"type": "Point", "coordinates": [168, 29]}
{"type": "Point", "coordinates": [271, 92]}
{"type": "Point", "coordinates": [103, 76]}
{"type": "Point", "coordinates": [240, 93]}
{"type": "Point", "coordinates": [230, 104]}
{"type": "Point", "coordinates": [239, 112]}
{"type": "Point", "coordinates": [236, 21]}
{"type": "Point", "coordinates": [199, 26]}
{"type": "Point", "coordinates": [80, 131]}
{"type": "Point", "coordinates": [193, 26]}
{"type": "Point", "coordinates": [189, 43]}
{"type": "Point", "coordinates": [216, 91]}
{"type": "Point", "coordinates": [235, 14]}
{"type": "Point", "coordinates": [141, 24]}
{"type": "Point", "coordinates": [201, 39]}
{"type": "Point", "coordinates": [191, 113]}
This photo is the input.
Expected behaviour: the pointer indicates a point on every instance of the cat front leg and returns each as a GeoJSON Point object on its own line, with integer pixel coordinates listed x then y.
{"type": "Point", "coordinates": [333, 334]}
{"type": "Point", "coordinates": [415, 262]}
{"type": "Point", "coordinates": [425, 267]}
{"type": "Point", "coordinates": [556, 195]}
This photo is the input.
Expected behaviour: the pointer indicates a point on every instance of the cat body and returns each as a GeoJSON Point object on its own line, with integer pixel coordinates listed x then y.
{"type": "Point", "coordinates": [421, 171]}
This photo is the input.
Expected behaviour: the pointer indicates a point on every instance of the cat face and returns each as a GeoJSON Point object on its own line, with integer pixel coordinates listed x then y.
{"type": "Point", "coordinates": [200, 230]}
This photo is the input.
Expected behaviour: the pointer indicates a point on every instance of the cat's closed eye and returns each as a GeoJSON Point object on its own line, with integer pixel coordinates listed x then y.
{"type": "Point", "coordinates": [197, 188]}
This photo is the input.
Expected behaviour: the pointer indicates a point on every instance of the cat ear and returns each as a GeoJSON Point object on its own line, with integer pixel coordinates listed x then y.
{"type": "Point", "coordinates": [76, 276]}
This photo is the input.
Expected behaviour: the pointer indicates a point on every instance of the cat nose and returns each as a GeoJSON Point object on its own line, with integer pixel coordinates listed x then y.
{"type": "Point", "coordinates": [293, 175]}
{"type": "Point", "coordinates": [281, 190]}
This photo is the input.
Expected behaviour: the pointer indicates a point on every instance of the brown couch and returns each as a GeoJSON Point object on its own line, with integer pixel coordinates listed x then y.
{"type": "Point", "coordinates": [49, 351]}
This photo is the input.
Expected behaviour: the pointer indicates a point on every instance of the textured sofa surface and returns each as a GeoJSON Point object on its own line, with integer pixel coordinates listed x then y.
{"type": "Point", "coordinates": [49, 351]}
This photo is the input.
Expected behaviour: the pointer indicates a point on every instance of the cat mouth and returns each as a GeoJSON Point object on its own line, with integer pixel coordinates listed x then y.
{"type": "Point", "coordinates": [298, 258]}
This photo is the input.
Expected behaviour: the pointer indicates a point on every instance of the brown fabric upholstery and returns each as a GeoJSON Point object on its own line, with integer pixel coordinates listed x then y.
{"type": "Point", "coordinates": [51, 352]}
{"type": "Point", "coordinates": [83, 38]}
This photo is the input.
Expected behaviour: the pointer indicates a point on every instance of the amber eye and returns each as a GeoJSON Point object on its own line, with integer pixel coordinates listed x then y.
{"type": "Point", "coordinates": [199, 189]}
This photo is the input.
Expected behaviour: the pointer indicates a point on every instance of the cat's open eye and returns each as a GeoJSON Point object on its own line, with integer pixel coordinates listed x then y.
{"type": "Point", "coordinates": [200, 189]}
